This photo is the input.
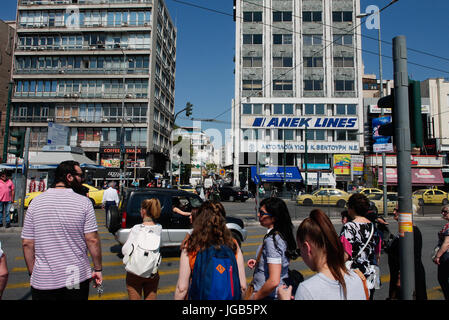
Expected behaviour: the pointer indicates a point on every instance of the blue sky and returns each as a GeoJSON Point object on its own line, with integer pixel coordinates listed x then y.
{"type": "Point", "coordinates": [205, 49]}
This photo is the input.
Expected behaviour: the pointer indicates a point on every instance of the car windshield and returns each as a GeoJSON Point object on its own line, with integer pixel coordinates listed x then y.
{"type": "Point", "coordinates": [376, 196]}
{"type": "Point", "coordinates": [392, 197]}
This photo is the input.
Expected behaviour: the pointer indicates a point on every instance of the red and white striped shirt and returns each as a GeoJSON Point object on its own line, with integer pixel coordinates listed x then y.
{"type": "Point", "coordinates": [57, 221]}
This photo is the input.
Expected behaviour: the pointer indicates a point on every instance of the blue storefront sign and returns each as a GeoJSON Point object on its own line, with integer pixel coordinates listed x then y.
{"type": "Point", "coordinates": [316, 166]}
{"type": "Point", "coordinates": [276, 174]}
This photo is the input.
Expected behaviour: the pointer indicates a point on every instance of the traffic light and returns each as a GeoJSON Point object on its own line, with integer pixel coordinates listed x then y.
{"type": "Point", "coordinates": [189, 109]}
{"type": "Point", "coordinates": [387, 102]}
{"type": "Point", "coordinates": [415, 112]}
{"type": "Point", "coordinates": [122, 164]}
{"type": "Point", "coordinates": [18, 143]}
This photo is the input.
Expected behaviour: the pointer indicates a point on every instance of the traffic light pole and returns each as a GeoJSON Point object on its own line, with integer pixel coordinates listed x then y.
{"type": "Point", "coordinates": [402, 136]}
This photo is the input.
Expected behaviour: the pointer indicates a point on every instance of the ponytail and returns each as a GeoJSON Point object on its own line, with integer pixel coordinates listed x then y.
{"type": "Point", "coordinates": [317, 228]}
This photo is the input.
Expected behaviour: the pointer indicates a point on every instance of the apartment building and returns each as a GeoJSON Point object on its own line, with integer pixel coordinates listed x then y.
{"type": "Point", "coordinates": [298, 83]}
{"type": "Point", "coordinates": [103, 68]}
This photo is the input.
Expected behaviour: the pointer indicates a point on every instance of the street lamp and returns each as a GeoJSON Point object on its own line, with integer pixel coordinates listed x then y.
{"type": "Point", "coordinates": [384, 165]}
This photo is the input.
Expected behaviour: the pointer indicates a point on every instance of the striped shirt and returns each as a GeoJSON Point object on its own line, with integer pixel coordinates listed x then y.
{"type": "Point", "coordinates": [57, 221]}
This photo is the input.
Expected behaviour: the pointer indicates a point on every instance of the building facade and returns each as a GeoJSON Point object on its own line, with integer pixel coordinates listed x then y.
{"type": "Point", "coordinates": [105, 69]}
{"type": "Point", "coordinates": [7, 31]}
{"type": "Point", "coordinates": [298, 82]}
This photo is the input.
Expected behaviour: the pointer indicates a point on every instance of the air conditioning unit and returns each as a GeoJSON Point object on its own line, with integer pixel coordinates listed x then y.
{"type": "Point", "coordinates": [41, 49]}
{"type": "Point", "coordinates": [76, 96]}
{"type": "Point", "coordinates": [67, 95]}
{"type": "Point", "coordinates": [34, 49]}
{"type": "Point", "coordinates": [61, 71]}
{"type": "Point", "coordinates": [104, 120]}
{"type": "Point", "coordinates": [50, 119]}
{"type": "Point", "coordinates": [129, 95]}
{"type": "Point", "coordinates": [73, 119]}
{"type": "Point", "coordinates": [124, 24]}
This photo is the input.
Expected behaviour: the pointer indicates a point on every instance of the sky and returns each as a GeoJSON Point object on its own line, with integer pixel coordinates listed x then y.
{"type": "Point", "coordinates": [206, 45]}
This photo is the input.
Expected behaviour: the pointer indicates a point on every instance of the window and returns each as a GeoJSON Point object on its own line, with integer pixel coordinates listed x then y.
{"type": "Point", "coordinates": [249, 16]}
{"type": "Point", "coordinates": [346, 109]}
{"type": "Point", "coordinates": [313, 85]}
{"type": "Point", "coordinates": [283, 85]}
{"type": "Point", "coordinates": [286, 134]}
{"type": "Point", "coordinates": [311, 16]}
{"type": "Point", "coordinates": [282, 108]}
{"type": "Point", "coordinates": [282, 39]}
{"type": "Point", "coordinates": [313, 39]}
{"type": "Point", "coordinates": [344, 85]}
{"type": "Point", "coordinates": [343, 39]}
{"type": "Point", "coordinates": [252, 85]}
{"type": "Point", "coordinates": [279, 16]}
{"type": "Point", "coordinates": [314, 109]}
{"type": "Point", "coordinates": [252, 39]}
{"type": "Point", "coordinates": [344, 62]}
{"type": "Point", "coordinates": [282, 62]}
{"type": "Point", "coordinates": [313, 62]}
{"type": "Point", "coordinates": [342, 16]}
{"type": "Point", "coordinates": [345, 135]}
{"type": "Point", "coordinates": [250, 134]}
{"type": "Point", "coordinates": [252, 108]}
{"type": "Point", "coordinates": [252, 62]}
{"type": "Point", "coordinates": [316, 135]}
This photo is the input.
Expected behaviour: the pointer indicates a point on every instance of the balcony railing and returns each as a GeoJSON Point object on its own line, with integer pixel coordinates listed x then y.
{"type": "Point", "coordinates": [62, 2]}
{"type": "Point", "coordinates": [103, 120]}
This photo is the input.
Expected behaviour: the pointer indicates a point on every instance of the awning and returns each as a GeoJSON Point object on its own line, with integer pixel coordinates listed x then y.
{"type": "Point", "coordinates": [55, 158]}
{"type": "Point", "coordinates": [276, 174]}
{"type": "Point", "coordinates": [420, 177]}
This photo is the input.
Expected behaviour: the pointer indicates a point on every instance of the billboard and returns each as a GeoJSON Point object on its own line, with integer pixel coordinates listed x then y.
{"type": "Point", "coordinates": [342, 164]}
{"type": "Point", "coordinates": [381, 143]}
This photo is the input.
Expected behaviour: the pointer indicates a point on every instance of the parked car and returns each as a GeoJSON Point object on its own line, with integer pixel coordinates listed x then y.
{"type": "Point", "coordinates": [232, 194]}
{"type": "Point", "coordinates": [119, 221]}
{"type": "Point", "coordinates": [377, 201]}
{"type": "Point", "coordinates": [431, 196]}
{"type": "Point", "coordinates": [188, 188]}
{"type": "Point", "coordinates": [326, 196]}
{"type": "Point", "coordinates": [368, 191]}
{"type": "Point", "coordinates": [95, 195]}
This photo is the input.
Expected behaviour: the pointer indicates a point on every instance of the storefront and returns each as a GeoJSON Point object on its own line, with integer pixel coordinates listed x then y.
{"type": "Point", "coordinates": [421, 177]}
{"type": "Point", "coordinates": [110, 157]}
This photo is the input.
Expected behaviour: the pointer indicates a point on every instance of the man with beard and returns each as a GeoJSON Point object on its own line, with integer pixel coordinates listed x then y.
{"type": "Point", "coordinates": [59, 229]}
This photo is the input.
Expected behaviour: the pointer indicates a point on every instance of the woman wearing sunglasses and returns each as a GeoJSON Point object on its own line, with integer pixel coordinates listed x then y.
{"type": "Point", "coordinates": [278, 247]}
{"type": "Point", "coordinates": [442, 256]}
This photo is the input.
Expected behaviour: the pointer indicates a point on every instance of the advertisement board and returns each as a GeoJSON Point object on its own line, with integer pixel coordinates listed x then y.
{"type": "Point", "coordinates": [342, 164]}
{"type": "Point", "coordinates": [381, 143]}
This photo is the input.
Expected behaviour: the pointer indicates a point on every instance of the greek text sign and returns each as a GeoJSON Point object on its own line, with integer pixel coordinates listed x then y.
{"type": "Point", "coordinates": [301, 122]}
{"type": "Point", "coordinates": [299, 147]}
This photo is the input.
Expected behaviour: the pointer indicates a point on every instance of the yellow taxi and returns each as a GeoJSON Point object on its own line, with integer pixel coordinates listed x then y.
{"type": "Point", "coordinates": [188, 188]}
{"type": "Point", "coordinates": [378, 200]}
{"type": "Point", "coordinates": [368, 191]}
{"type": "Point", "coordinates": [431, 196]}
{"type": "Point", "coordinates": [95, 195]}
{"type": "Point", "coordinates": [326, 196]}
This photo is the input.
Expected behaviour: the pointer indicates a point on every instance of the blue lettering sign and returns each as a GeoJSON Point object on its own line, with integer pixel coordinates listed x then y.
{"type": "Point", "coordinates": [294, 122]}
{"type": "Point", "coordinates": [273, 123]}
{"type": "Point", "coordinates": [342, 122]}
{"type": "Point", "coordinates": [257, 122]}
{"type": "Point", "coordinates": [285, 122]}
{"type": "Point", "coordinates": [351, 123]}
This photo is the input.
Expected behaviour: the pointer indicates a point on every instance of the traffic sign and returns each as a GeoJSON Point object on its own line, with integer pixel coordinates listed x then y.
{"type": "Point", "coordinates": [256, 179]}
{"type": "Point", "coordinates": [222, 172]}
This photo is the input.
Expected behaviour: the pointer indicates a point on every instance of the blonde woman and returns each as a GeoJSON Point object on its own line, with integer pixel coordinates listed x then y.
{"type": "Point", "coordinates": [146, 283]}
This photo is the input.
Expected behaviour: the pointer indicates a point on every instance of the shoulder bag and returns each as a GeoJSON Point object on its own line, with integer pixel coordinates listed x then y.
{"type": "Point", "coordinates": [250, 290]}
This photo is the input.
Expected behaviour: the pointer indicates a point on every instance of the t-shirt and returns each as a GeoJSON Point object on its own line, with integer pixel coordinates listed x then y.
{"type": "Point", "coordinates": [320, 287]}
{"type": "Point", "coordinates": [441, 235]}
{"type": "Point", "coordinates": [57, 221]}
{"type": "Point", "coordinates": [274, 253]}
{"type": "Point", "coordinates": [6, 188]}
{"type": "Point", "coordinates": [1, 251]}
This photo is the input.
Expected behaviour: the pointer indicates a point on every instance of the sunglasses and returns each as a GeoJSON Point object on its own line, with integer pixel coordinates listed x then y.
{"type": "Point", "coordinates": [444, 211]}
{"type": "Point", "coordinates": [265, 213]}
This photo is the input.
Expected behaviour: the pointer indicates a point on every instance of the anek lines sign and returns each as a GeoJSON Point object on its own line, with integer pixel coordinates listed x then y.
{"type": "Point", "coordinates": [301, 122]}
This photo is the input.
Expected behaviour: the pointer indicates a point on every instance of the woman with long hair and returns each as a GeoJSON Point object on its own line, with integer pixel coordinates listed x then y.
{"type": "Point", "coordinates": [209, 229]}
{"type": "Point", "coordinates": [322, 251]}
{"type": "Point", "coordinates": [278, 248]}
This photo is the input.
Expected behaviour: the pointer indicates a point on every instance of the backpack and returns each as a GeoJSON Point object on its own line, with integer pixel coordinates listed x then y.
{"type": "Point", "coordinates": [215, 275]}
{"type": "Point", "coordinates": [144, 257]}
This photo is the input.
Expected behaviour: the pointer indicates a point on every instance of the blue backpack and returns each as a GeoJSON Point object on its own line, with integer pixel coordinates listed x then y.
{"type": "Point", "coordinates": [215, 275]}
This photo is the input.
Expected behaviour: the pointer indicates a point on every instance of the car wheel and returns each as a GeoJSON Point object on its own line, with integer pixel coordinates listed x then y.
{"type": "Point", "coordinates": [237, 237]}
{"type": "Point", "coordinates": [231, 198]}
{"type": "Point", "coordinates": [113, 219]}
{"type": "Point", "coordinates": [308, 202]}
{"type": "Point", "coordinates": [421, 201]}
{"type": "Point", "coordinates": [445, 202]}
{"type": "Point", "coordinates": [341, 203]}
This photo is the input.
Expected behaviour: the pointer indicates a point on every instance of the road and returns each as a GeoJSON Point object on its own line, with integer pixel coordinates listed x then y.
{"type": "Point", "coordinates": [114, 274]}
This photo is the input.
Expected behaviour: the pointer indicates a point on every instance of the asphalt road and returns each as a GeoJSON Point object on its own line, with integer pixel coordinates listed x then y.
{"type": "Point", "coordinates": [114, 274]}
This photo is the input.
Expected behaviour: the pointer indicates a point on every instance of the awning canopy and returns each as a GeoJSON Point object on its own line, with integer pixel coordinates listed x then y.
{"type": "Point", "coordinates": [420, 177]}
{"type": "Point", "coordinates": [55, 158]}
{"type": "Point", "coordinates": [276, 174]}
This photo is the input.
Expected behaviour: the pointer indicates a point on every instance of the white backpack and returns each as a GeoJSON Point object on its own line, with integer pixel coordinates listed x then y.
{"type": "Point", "coordinates": [141, 254]}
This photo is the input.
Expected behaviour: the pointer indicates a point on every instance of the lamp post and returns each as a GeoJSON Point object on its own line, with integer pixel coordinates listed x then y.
{"type": "Point", "coordinates": [384, 165]}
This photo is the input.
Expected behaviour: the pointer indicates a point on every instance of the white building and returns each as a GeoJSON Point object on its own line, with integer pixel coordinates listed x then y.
{"type": "Point", "coordinates": [296, 65]}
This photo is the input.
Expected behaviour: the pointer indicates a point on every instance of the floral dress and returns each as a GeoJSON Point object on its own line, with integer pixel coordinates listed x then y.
{"type": "Point", "coordinates": [354, 236]}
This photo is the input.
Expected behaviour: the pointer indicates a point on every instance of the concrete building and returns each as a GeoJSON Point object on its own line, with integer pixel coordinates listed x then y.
{"type": "Point", "coordinates": [97, 67]}
{"type": "Point", "coordinates": [7, 31]}
{"type": "Point", "coordinates": [297, 67]}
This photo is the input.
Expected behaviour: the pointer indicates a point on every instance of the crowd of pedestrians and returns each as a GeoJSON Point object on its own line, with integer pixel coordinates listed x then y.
{"type": "Point", "coordinates": [60, 232]}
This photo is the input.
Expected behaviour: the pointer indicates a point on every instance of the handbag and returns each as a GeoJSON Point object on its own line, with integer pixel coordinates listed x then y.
{"type": "Point", "coordinates": [362, 277]}
{"type": "Point", "coordinates": [250, 290]}
{"type": "Point", "coordinates": [434, 252]}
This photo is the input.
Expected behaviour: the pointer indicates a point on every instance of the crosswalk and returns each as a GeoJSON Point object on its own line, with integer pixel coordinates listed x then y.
{"type": "Point", "coordinates": [114, 274]}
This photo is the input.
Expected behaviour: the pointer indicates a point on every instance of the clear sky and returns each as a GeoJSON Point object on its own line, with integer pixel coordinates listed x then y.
{"type": "Point", "coordinates": [206, 44]}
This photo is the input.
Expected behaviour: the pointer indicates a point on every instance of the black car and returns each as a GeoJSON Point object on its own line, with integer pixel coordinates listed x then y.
{"type": "Point", "coordinates": [233, 194]}
{"type": "Point", "coordinates": [119, 221]}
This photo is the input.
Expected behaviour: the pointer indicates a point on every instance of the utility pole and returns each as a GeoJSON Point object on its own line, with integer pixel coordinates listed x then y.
{"type": "Point", "coordinates": [403, 143]}
{"type": "Point", "coordinates": [8, 115]}
{"type": "Point", "coordinates": [24, 176]}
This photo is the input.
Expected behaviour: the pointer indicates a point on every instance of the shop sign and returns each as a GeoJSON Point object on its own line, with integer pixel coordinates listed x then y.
{"type": "Point", "coordinates": [301, 122]}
